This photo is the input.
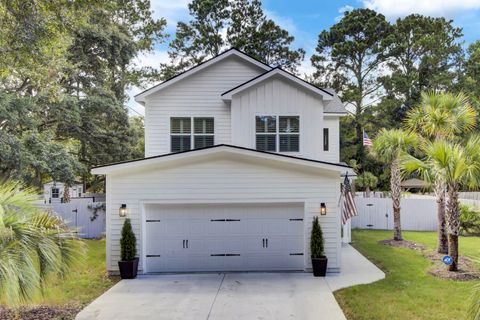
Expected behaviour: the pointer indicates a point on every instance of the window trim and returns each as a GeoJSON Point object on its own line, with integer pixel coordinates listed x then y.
{"type": "Point", "coordinates": [278, 133]}
{"type": "Point", "coordinates": [192, 133]}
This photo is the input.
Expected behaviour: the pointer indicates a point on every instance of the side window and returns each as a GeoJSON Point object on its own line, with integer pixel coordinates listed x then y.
{"type": "Point", "coordinates": [180, 134]}
{"type": "Point", "coordinates": [266, 133]}
{"type": "Point", "coordinates": [203, 132]}
{"type": "Point", "coordinates": [55, 192]}
{"type": "Point", "coordinates": [325, 139]}
{"type": "Point", "coordinates": [289, 134]}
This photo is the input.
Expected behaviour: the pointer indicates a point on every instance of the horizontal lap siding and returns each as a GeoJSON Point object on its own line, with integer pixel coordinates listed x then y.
{"type": "Point", "coordinates": [224, 180]}
{"type": "Point", "coordinates": [197, 95]}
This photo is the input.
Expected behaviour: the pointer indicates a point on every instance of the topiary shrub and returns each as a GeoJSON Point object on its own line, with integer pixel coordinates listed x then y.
{"type": "Point", "coordinates": [316, 240]}
{"type": "Point", "coordinates": [128, 242]}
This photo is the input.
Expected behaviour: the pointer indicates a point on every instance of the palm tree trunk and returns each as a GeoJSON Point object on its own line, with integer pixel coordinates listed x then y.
{"type": "Point", "coordinates": [395, 181]}
{"type": "Point", "coordinates": [66, 193]}
{"type": "Point", "coordinates": [453, 209]}
{"type": "Point", "coordinates": [439, 188]}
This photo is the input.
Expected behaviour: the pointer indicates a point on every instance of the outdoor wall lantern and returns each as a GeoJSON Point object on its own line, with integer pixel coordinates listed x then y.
{"type": "Point", "coordinates": [122, 212]}
{"type": "Point", "coordinates": [323, 209]}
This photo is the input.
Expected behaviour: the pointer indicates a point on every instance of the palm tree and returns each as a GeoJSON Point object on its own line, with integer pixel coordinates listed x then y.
{"type": "Point", "coordinates": [388, 146]}
{"type": "Point", "coordinates": [441, 116]}
{"type": "Point", "coordinates": [33, 245]}
{"type": "Point", "coordinates": [457, 166]}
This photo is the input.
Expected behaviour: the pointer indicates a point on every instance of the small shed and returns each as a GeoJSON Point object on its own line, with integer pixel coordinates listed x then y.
{"type": "Point", "coordinates": [53, 191]}
{"type": "Point", "coordinates": [415, 185]}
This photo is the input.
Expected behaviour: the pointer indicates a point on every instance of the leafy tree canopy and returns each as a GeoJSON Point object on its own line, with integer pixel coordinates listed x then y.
{"type": "Point", "coordinates": [217, 25]}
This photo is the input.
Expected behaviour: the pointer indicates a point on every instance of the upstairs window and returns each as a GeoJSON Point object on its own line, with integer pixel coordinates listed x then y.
{"type": "Point", "coordinates": [289, 134]}
{"type": "Point", "coordinates": [180, 134]}
{"type": "Point", "coordinates": [191, 133]}
{"type": "Point", "coordinates": [277, 134]}
{"type": "Point", "coordinates": [266, 133]}
{"type": "Point", "coordinates": [203, 132]}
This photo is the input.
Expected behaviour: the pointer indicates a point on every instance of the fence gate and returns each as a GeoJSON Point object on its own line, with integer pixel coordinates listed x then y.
{"type": "Point", "coordinates": [78, 215]}
{"type": "Point", "coordinates": [377, 213]}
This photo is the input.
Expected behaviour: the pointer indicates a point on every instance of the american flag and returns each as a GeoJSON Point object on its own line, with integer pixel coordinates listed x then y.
{"type": "Point", "coordinates": [366, 139]}
{"type": "Point", "coordinates": [348, 207]}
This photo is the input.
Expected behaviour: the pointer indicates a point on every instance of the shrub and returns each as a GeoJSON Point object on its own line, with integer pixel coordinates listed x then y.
{"type": "Point", "coordinates": [128, 242]}
{"type": "Point", "coordinates": [316, 240]}
{"type": "Point", "coordinates": [469, 220]}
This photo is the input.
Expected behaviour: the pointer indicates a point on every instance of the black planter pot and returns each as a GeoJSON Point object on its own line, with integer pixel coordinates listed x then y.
{"type": "Point", "coordinates": [128, 269]}
{"type": "Point", "coordinates": [319, 266]}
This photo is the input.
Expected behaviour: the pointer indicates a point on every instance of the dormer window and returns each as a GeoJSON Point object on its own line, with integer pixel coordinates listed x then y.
{"type": "Point", "coordinates": [183, 137]}
{"type": "Point", "coordinates": [277, 133]}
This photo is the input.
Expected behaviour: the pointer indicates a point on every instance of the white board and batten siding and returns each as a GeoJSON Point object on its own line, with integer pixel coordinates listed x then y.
{"type": "Point", "coordinates": [277, 97]}
{"type": "Point", "coordinates": [223, 181]}
{"type": "Point", "coordinates": [196, 96]}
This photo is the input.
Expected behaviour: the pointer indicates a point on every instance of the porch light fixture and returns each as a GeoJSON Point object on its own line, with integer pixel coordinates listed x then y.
{"type": "Point", "coordinates": [323, 209]}
{"type": "Point", "coordinates": [122, 212]}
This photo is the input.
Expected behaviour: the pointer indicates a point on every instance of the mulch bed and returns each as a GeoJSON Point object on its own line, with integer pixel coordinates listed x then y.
{"type": "Point", "coordinates": [40, 313]}
{"type": "Point", "coordinates": [468, 271]}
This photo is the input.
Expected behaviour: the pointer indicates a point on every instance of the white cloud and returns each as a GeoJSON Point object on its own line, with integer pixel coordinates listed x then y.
{"type": "Point", "coordinates": [342, 10]}
{"type": "Point", "coordinates": [400, 8]}
{"type": "Point", "coordinates": [284, 22]}
{"type": "Point", "coordinates": [172, 10]}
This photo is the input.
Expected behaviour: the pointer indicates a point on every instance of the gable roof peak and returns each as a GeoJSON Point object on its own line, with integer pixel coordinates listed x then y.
{"type": "Point", "coordinates": [227, 53]}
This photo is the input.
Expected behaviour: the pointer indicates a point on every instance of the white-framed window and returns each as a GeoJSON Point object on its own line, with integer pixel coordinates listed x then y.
{"type": "Point", "coordinates": [277, 133]}
{"type": "Point", "coordinates": [55, 192]}
{"type": "Point", "coordinates": [191, 133]}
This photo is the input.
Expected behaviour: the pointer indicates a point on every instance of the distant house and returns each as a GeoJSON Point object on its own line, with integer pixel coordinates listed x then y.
{"type": "Point", "coordinates": [54, 191]}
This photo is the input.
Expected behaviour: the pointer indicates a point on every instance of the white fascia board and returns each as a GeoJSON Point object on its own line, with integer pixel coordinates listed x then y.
{"type": "Point", "coordinates": [132, 165]}
{"type": "Point", "coordinates": [232, 52]}
{"type": "Point", "coordinates": [228, 95]}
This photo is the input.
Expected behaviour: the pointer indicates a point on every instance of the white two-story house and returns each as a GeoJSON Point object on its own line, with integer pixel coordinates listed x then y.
{"type": "Point", "coordinates": [239, 158]}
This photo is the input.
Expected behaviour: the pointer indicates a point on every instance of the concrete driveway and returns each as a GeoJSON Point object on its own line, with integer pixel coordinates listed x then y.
{"type": "Point", "coordinates": [232, 295]}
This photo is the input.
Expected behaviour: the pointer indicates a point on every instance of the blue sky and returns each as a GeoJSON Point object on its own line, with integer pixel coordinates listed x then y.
{"type": "Point", "coordinates": [305, 19]}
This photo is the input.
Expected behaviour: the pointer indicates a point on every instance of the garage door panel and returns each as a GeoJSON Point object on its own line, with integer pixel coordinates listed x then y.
{"type": "Point", "coordinates": [225, 237]}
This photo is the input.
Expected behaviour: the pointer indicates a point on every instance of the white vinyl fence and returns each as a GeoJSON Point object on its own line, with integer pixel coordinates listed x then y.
{"type": "Point", "coordinates": [377, 213]}
{"type": "Point", "coordinates": [83, 214]}
{"type": "Point", "coordinates": [418, 212]}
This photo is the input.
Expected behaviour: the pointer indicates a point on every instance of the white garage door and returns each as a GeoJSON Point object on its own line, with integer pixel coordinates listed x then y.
{"type": "Point", "coordinates": [224, 237]}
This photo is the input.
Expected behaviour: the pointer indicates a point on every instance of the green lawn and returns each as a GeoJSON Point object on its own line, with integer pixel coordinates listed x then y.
{"type": "Point", "coordinates": [86, 281]}
{"type": "Point", "coordinates": [408, 292]}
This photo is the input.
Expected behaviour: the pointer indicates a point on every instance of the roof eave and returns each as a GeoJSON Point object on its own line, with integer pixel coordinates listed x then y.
{"type": "Point", "coordinates": [227, 96]}
{"type": "Point", "coordinates": [131, 165]}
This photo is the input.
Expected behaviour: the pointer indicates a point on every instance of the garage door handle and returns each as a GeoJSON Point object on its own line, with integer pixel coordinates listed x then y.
{"type": "Point", "coordinates": [183, 244]}
{"type": "Point", "coordinates": [263, 240]}
{"type": "Point", "coordinates": [187, 243]}
{"type": "Point", "coordinates": [266, 242]}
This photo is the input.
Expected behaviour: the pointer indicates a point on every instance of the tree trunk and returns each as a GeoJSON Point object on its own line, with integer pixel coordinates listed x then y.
{"type": "Point", "coordinates": [395, 181]}
{"type": "Point", "coordinates": [453, 209]}
{"type": "Point", "coordinates": [439, 189]}
{"type": "Point", "coordinates": [367, 192]}
{"type": "Point", "coordinates": [66, 193]}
